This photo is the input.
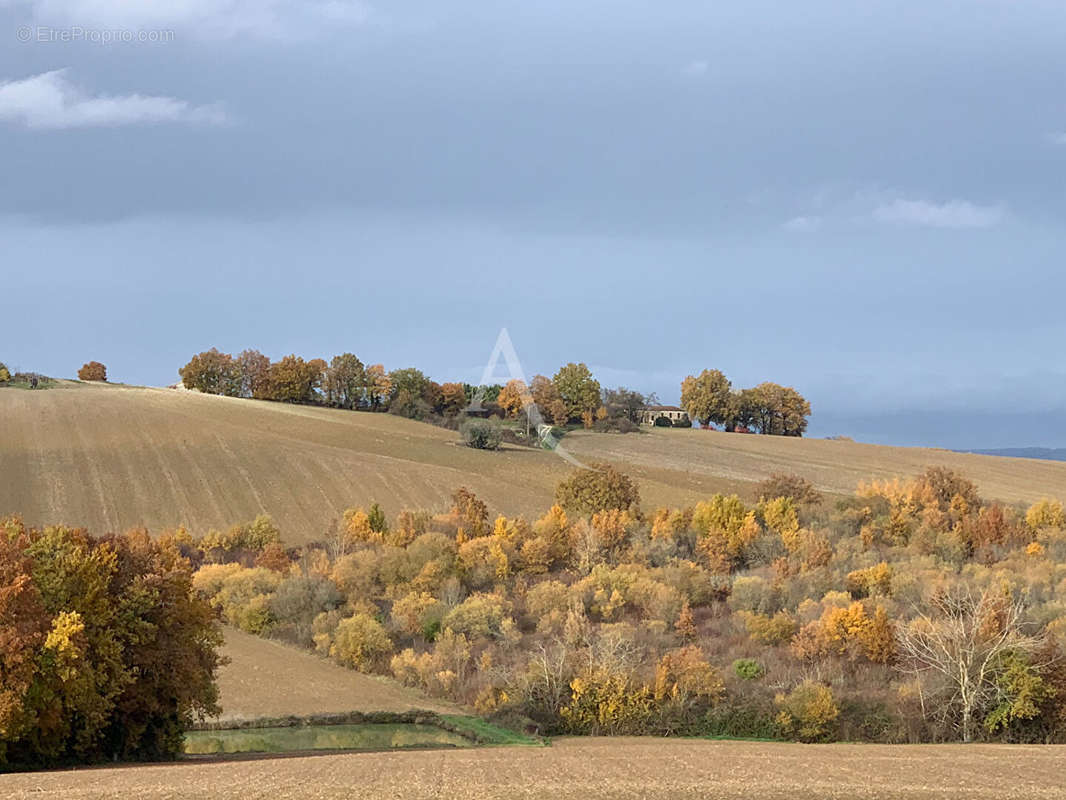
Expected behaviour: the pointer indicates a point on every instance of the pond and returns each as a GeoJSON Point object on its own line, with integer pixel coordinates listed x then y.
{"type": "Point", "coordinates": [321, 737]}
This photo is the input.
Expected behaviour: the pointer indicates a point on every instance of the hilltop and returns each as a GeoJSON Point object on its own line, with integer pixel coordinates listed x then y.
{"type": "Point", "coordinates": [112, 457]}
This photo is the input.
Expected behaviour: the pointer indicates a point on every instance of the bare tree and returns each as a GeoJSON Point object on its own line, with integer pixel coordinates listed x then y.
{"type": "Point", "coordinates": [962, 639]}
{"type": "Point", "coordinates": [336, 541]}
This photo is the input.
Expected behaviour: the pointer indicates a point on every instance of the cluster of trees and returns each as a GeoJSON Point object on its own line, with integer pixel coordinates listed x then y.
{"type": "Point", "coordinates": [343, 382]}
{"type": "Point", "coordinates": [92, 371]}
{"type": "Point", "coordinates": [572, 395]}
{"type": "Point", "coordinates": [105, 650]}
{"type": "Point", "coordinates": [767, 408]}
{"type": "Point", "coordinates": [912, 611]}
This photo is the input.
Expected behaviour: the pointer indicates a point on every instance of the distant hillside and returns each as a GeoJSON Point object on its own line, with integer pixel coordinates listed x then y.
{"type": "Point", "coordinates": [1044, 453]}
{"type": "Point", "coordinates": [112, 457]}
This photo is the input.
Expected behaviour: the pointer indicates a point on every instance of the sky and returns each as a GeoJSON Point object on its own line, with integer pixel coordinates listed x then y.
{"type": "Point", "coordinates": [864, 201]}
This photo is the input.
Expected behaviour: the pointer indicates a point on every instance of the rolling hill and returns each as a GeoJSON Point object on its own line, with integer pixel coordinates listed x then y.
{"type": "Point", "coordinates": [112, 457]}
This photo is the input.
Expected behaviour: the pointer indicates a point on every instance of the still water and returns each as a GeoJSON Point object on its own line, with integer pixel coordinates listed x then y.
{"type": "Point", "coordinates": [321, 737]}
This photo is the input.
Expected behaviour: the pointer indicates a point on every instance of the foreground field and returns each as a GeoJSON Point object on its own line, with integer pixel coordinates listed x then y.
{"type": "Point", "coordinates": [111, 457]}
{"type": "Point", "coordinates": [590, 769]}
{"type": "Point", "coordinates": [267, 679]}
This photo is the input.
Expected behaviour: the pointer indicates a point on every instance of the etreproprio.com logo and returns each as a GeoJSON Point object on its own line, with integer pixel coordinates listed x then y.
{"type": "Point", "coordinates": [46, 34]}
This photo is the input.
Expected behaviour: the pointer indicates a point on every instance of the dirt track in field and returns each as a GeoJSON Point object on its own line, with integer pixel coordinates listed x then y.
{"type": "Point", "coordinates": [111, 457]}
{"type": "Point", "coordinates": [269, 679]}
{"type": "Point", "coordinates": [591, 769]}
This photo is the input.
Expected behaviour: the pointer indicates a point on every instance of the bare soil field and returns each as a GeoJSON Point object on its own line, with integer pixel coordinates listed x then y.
{"type": "Point", "coordinates": [269, 679]}
{"type": "Point", "coordinates": [113, 457]}
{"type": "Point", "coordinates": [590, 769]}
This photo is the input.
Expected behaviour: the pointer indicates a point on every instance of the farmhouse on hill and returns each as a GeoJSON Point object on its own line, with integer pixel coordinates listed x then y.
{"type": "Point", "coordinates": [649, 414]}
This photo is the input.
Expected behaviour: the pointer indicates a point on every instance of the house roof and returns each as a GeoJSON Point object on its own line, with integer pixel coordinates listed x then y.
{"type": "Point", "coordinates": [662, 408]}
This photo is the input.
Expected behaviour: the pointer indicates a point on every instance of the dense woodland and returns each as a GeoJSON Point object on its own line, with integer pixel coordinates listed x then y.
{"type": "Point", "coordinates": [105, 650]}
{"type": "Point", "coordinates": [911, 611]}
{"type": "Point", "coordinates": [572, 396]}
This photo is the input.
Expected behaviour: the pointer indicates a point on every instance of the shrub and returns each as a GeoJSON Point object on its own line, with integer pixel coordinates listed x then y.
{"type": "Point", "coordinates": [484, 560]}
{"type": "Point", "coordinates": [361, 642]}
{"type": "Point", "coordinates": [752, 593]}
{"type": "Point", "coordinates": [769, 630]}
{"type": "Point", "coordinates": [480, 434]}
{"type": "Point", "coordinates": [798, 489]}
{"type": "Point", "coordinates": [662, 422]}
{"type": "Point", "coordinates": [616, 425]}
{"type": "Point", "coordinates": [685, 681]}
{"type": "Point", "coordinates": [1045, 514]}
{"type": "Point", "coordinates": [208, 580]}
{"type": "Point", "coordinates": [682, 422]}
{"type": "Point", "coordinates": [479, 615]}
{"type": "Point", "coordinates": [606, 703]}
{"type": "Point", "coordinates": [748, 669]}
{"type": "Point", "coordinates": [546, 600]}
{"type": "Point", "coordinates": [602, 487]}
{"type": "Point", "coordinates": [417, 613]}
{"type": "Point", "coordinates": [244, 598]}
{"type": "Point", "coordinates": [254, 535]}
{"type": "Point", "coordinates": [807, 712]}
{"type": "Point", "coordinates": [358, 575]}
{"type": "Point", "coordinates": [298, 601]}
{"type": "Point", "coordinates": [93, 371]}
{"type": "Point", "coordinates": [253, 616]}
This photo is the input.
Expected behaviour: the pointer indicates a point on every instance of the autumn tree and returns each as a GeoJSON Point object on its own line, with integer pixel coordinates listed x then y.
{"type": "Point", "coordinates": [775, 409]}
{"type": "Point", "coordinates": [212, 372]}
{"type": "Point", "coordinates": [546, 396]}
{"type": "Point", "coordinates": [453, 398]}
{"type": "Point", "coordinates": [378, 386]}
{"type": "Point", "coordinates": [23, 627]}
{"type": "Point", "coordinates": [578, 390]}
{"type": "Point", "coordinates": [5, 373]}
{"type": "Point", "coordinates": [472, 513]}
{"type": "Point", "coordinates": [708, 397]}
{"type": "Point", "coordinates": [252, 369]}
{"type": "Point", "coordinates": [514, 397]}
{"type": "Point", "coordinates": [92, 371]}
{"type": "Point", "coordinates": [345, 381]}
{"type": "Point", "coordinates": [410, 381]}
{"type": "Point", "coordinates": [293, 380]}
{"type": "Point", "coordinates": [598, 488]}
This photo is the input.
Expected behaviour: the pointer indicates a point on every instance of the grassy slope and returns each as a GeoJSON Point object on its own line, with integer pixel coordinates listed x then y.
{"type": "Point", "coordinates": [111, 457]}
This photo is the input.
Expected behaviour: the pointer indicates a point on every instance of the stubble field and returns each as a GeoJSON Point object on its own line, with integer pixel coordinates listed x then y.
{"type": "Point", "coordinates": [270, 679]}
{"type": "Point", "coordinates": [589, 769]}
{"type": "Point", "coordinates": [113, 457]}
